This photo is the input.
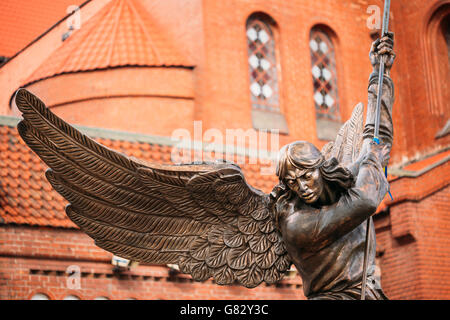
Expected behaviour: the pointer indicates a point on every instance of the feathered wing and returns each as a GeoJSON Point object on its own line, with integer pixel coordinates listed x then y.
{"type": "Point", "coordinates": [349, 140]}
{"type": "Point", "coordinates": [205, 218]}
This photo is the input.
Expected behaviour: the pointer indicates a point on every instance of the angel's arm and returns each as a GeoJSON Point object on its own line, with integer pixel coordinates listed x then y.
{"type": "Point", "coordinates": [379, 48]}
{"type": "Point", "coordinates": [356, 205]}
{"type": "Point", "coordinates": [386, 133]}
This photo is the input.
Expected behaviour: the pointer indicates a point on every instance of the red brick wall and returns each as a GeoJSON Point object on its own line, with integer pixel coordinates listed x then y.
{"type": "Point", "coordinates": [415, 94]}
{"type": "Point", "coordinates": [433, 230]}
{"type": "Point", "coordinates": [414, 242]}
{"type": "Point", "coordinates": [152, 100]}
{"type": "Point", "coordinates": [224, 83]}
{"type": "Point", "coordinates": [214, 41]}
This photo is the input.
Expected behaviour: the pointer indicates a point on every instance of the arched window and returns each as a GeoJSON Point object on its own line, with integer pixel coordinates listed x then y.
{"type": "Point", "coordinates": [443, 54]}
{"type": "Point", "coordinates": [263, 73]}
{"type": "Point", "coordinates": [437, 62]}
{"type": "Point", "coordinates": [444, 122]}
{"type": "Point", "coordinates": [326, 98]}
{"type": "Point", "coordinates": [262, 63]}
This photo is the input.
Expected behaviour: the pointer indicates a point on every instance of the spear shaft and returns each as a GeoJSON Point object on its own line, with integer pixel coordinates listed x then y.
{"type": "Point", "coordinates": [387, 4]}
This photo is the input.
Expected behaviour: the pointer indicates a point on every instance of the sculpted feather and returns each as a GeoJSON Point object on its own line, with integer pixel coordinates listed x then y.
{"type": "Point", "coordinates": [348, 142]}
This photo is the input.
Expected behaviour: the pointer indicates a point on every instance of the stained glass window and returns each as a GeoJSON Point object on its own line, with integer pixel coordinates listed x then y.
{"type": "Point", "coordinates": [262, 64]}
{"type": "Point", "coordinates": [326, 99]}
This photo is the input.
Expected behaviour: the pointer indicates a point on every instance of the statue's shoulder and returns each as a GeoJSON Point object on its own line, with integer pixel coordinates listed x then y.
{"type": "Point", "coordinates": [289, 206]}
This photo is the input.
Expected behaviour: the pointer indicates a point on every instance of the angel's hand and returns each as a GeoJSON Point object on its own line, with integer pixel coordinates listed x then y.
{"type": "Point", "coordinates": [383, 47]}
{"type": "Point", "coordinates": [379, 153]}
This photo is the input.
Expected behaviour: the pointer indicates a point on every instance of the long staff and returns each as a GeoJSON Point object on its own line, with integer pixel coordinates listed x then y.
{"type": "Point", "coordinates": [387, 4]}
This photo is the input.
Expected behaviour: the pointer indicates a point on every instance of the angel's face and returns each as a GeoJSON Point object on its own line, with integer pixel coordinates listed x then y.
{"type": "Point", "coordinates": [308, 183]}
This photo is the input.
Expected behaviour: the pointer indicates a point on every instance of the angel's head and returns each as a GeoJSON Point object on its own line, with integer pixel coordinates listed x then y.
{"type": "Point", "coordinates": [303, 169]}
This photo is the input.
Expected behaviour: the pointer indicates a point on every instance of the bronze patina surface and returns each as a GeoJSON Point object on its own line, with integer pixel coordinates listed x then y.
{"type": "Point", "coordinates": [209, 221]}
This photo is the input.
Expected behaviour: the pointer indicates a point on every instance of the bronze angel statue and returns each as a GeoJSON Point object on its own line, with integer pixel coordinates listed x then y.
{"type": "Point", "coordinates": [206, 218]}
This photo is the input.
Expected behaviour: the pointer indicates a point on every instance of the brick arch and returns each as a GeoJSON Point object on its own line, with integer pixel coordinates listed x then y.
{"type": "Point", "coordinates": [260, 15]}
{"type": "Point", "coordinates": [435, 56]}
{"type": "Point", "coordinates": [326, 28]}
{"type": "Point", "coordinates": [102, 294]}
{"type": "Point", "coordinates": [148, 91]}
{"type": "Point", "coordinates": [46, 292]}
{"type": "Point", "coordinates": [69, 292]}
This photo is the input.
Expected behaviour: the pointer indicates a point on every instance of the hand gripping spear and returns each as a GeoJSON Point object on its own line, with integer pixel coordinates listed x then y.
{"type": "Point", "coordinates": [376, 139]}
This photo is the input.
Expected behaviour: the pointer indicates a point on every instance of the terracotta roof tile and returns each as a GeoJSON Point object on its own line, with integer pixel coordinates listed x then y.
{"type": "Point", "coordinates": [26, 197]}
{"type": "Point", "coordinates": [22, 21]}
{"type": "Point", "coordinates": [120, 34]}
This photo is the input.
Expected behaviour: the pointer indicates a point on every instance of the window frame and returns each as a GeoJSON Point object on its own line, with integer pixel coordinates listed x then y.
{"type": "Point", "coordinates": [327, 130]}
{"type": "Point", "coordinates": [334, 80]}
{"type": "Point", "coordinates": [266, 118]}
{"type": "Point", "coordinates": [432, 30]}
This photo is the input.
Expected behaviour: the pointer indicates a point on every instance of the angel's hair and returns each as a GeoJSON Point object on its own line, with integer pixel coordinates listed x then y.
{"type": "Point", "coordinates": [304, 155]}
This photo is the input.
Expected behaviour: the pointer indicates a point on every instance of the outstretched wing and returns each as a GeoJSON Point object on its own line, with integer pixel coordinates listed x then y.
{"type": "Point", "coordinates": [205, 217]}
{"type": "Point", "coordinates": [349, 140]}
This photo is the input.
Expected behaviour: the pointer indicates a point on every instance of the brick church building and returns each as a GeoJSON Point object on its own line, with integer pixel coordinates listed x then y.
{"type": "Point", "coordinates": [129, 73]}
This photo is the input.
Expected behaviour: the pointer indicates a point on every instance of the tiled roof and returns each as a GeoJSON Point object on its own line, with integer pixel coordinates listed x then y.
{"type": "Point", "coordinates": [22, 21]}
{"type": "Point", "coordinates": [120, 34]}
{"type": "Point", "coordinates": [26, 197]}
